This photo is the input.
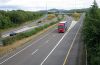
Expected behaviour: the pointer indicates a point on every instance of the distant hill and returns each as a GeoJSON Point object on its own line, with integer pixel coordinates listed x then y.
{"type": "Point", "coordinates": [65, 11]}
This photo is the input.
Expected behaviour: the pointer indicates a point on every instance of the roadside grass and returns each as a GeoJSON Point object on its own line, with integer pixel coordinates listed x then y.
{"type": "Point", "coordinates": [19, 25]}
{"type": "Point", "coordinates": [15, 26]}
{"type": "Point", "coordinates": [19, 36]}
{"type": "Point", "coordinates": [22, 38]}
{"type": "Point", "coordinates": [6, 49]}
{"type": "Point", "coordinates": [76, 16]}
{"type": "Point", "coordinates": [50, 16]}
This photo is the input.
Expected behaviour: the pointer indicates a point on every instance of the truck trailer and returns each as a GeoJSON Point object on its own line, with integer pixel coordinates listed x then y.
{"type": "Point", "coordinates": [62, 26]}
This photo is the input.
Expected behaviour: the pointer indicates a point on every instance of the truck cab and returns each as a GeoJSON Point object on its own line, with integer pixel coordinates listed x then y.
{"type": "Point", "coordinates": [62, 26]}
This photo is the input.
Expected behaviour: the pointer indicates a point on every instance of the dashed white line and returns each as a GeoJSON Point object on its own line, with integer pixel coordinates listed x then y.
{"type": "Point", "coordinates": [54, 48]}
{"type": "Point", "coordinates": [57, 43]}
{"type": "Point", "coordinates": [35, 51]}
{"type": "Point", "coordinates": [23, 49]}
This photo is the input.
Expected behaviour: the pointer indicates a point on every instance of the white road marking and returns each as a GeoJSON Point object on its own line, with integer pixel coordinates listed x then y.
{"type": "Point", "coordinates": [35, 51]}
{"type": "Point", "coordinates": [24, 49]}
{"type": "Point", "coordinates": [72, 25]}
{"type": "Point", "coordinates": [15, 54]}
{"type": "Point", "coordinates": [31, 45]}
{"type": "Point", "coordinates": [71, 45]}
{"type": "Point", "coordinates": [53, 48]}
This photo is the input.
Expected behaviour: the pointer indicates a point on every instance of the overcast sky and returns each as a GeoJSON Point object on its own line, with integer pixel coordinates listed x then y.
{"type": "Point", "coordinates": [34, 5]}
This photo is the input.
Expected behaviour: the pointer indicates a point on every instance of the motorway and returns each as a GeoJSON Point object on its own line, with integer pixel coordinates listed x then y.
{"type": "Point", "coordinates": [24, 27]}
{"type": "Point", "coordinates": [51, 48]}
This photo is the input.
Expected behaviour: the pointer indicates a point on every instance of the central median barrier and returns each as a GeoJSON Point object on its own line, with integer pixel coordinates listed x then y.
{"type": "Point", "coordinates": [11, 39]}
{"type": "Point", "coordinates": [16, 41]}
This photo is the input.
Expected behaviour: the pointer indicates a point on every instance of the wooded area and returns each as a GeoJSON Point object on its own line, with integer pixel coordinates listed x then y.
{"type": "Point", "coordinates": [16, 17]}
{"type": "Point", "coordinates": [91, 34]}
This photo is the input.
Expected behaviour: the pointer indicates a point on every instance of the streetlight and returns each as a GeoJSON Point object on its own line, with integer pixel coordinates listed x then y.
{"type": "Point", "coordinates": [46, 9]}
{"type": "Point", "coordinates": [75, 7]}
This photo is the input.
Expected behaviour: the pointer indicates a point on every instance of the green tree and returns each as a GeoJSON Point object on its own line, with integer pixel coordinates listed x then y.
{"type": "Point", "coordinates": [91, 33]}
{"type": "Point", "coordinates": [92, 25]}
{"type": "Point", "coordinates": [4, 22]}
{"type": "Point", "coordinates": [17, 17]}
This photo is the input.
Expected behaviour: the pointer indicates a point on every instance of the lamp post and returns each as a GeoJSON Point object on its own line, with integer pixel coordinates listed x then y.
{"type": "Point", "coordinates": [46, 10]}
{"type": "Point", "coordinates": [75, 7]}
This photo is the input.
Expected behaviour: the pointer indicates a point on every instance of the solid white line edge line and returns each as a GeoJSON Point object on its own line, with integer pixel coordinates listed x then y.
{"type": "Point", "coordinates": [71, 45]}
{"type": "Point", "coordinates": [23, 49]}
{"type": "Point", "coordinates": [55, 46]}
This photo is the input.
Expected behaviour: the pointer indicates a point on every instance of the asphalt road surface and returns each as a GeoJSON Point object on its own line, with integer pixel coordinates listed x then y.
{"type": "Point", "coordinates": [24, 27]}
{"type": "Point", "coordinates": [52, 48]}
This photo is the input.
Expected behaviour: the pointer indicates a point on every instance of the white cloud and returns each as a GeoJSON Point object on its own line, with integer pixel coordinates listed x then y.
{"type": "Point", "coordinates": [4, 1]}
{"type": "Point", "coordinates": [42, 4]}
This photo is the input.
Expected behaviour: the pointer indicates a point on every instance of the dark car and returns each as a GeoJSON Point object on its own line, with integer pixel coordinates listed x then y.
{"type": "Point", "coordinates": [12, 33]}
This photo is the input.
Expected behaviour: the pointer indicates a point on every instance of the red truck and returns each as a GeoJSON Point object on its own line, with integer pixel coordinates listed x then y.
{"type": "Point", "coordinates": [62, 26]}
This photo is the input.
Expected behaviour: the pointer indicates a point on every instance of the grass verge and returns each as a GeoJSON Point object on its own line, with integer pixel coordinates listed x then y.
{"type": "Point", "coordinates": [7, 49]}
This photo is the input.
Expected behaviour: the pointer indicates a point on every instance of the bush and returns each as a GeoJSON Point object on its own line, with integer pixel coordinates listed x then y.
{"type": "Point", "coordinates": [91, 34]}
{"type": "Point", "coordinates": [19, 36]}
{"type": "Point", "coordinates": [76, 16]}
{"type": "Point", "coordinates": [16, 17]}
{"type": "Point", "coordinates": [51, 16]}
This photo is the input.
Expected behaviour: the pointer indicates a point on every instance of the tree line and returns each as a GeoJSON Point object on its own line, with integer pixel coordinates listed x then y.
{"type": "Point", "coordinates": [17, 17]}
{"type": "Point", "coordinates": [91, 34]}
